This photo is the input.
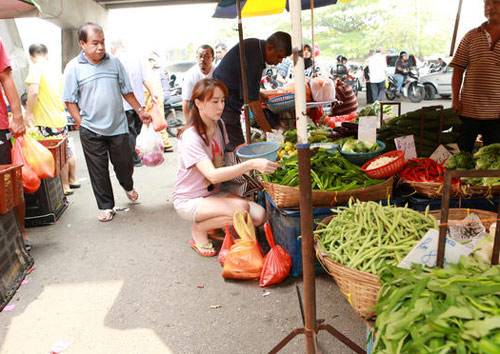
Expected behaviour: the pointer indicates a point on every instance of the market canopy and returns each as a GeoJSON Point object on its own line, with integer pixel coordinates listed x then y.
{"type": "Point", "coordinates": [252, 8]}
{"type": "Point", "coordinates": [18, 8]}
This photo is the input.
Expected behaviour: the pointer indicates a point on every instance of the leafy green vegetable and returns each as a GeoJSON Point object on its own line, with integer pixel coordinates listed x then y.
{"type": "Point", "coordinates": [460, 161]}
{"type": "Point", "coordinates": [354, 146]}
{"type": "Point", "coordinates": [434, 310]}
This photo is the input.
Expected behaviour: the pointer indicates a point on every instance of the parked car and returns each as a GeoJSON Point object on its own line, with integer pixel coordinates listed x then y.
{"type": "Point", "coordinates": [356, 70]}
{"type": "Point", "coordinates": [179, 69]}
{"type": "Point", "coordinates": [438, 83]}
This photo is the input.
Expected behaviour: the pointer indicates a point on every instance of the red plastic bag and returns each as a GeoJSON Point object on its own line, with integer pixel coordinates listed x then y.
{"type": "Point", "coordinates": [157, 113]}
{"type": "Point", "coordinates": [226, 245]}
{"type": "Point", "coordinates": [31, 181]}
{"type": "Point", "coordinates": [244, 260]}
{"type": "Point", "coordinates": [277, 263]}
{"type": "Point", "coordinates": [39, 157]}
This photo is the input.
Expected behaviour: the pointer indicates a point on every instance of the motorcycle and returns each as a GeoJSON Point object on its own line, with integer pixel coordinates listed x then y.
{"type": "Point", "coordinates": [411, 88]}
{"type": "Point", "coordinates": [173, 108]}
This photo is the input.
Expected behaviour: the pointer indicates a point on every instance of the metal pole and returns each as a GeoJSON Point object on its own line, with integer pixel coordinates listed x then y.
{"type": "Point", "coordinates": [243, 73]}
{"type": "Point", "coordinates": [455, 30]}
{"type": "Point", "coordinates": [312, 38]}
{"type": "Point", "coordinates": [306, 223]}
{"type": "Point", "coordinates": [443, 227]}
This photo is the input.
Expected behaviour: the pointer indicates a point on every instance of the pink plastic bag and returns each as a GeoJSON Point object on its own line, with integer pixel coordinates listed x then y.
{"type": "Point", "coordinates": [149, 146]}
{"type": "Point", "coordinates": [159, 122]}
{"type": "Point", "coordinates": [322, 89]}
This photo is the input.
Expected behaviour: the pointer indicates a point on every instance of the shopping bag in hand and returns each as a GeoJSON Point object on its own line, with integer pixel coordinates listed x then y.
{"type": "Point", "coordinates": [226, 245]}
{"type": "Point", "coordinates": [39, 157]}
{"type": "Point", "coordinates": [244, 260]}
{"type": "Point", "coordinates": [277, 263]}
{"type": "Point", "coordinates": [31, 181]}
{"type": "Point", "coordinates": [149, 146]}
{"type": "Point", "coordinates": [158, 116]}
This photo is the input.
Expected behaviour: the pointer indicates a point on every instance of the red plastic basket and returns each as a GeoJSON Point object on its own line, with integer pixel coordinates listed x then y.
{"type": "Point", "coordinates": [10, 180]}
{"type": "Point", "coordinates": [387, 170]}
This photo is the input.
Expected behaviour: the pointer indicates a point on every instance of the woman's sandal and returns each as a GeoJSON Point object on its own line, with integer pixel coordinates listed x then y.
{"type": "Point", "coordinates": [132, 195]}
{"type": "Point", "coordinates": [106, 215]}
{"type": "Point", "coordinates": [202, 250]}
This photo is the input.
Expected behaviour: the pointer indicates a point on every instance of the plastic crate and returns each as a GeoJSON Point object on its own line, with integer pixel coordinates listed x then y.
{"type": "Point", "coordinates": [285, 225]}
{"type": "Point", "coordinates": [420, 203]}
{"type": "Point", "coordinates": [11, 187]}
{"type": "Point", "coordinates": [46, 205]}
{"type": "Point", "coordinates": [14, 260]}
{"type": "Point", "coordinates": [59, 149]}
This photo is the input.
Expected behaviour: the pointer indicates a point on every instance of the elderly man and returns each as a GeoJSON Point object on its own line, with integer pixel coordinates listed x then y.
{"type": "Point", "coordinates": [477, 98]}
{"type": "Point", "coordinates": [204, 70]}
{"type": "Point", "coordinates": [97, 81]}
{"type": "Point", "coordinates": [220, 51]}
{"type": "Point", "coordinates": [257, 53]}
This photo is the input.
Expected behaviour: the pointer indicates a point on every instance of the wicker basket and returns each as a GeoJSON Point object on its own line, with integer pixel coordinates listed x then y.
{"type": "Point", "coordinates": [487, 217]}
{"type": "Point", "coordinates": [386, 170]}
{"type": "Point", "coordinates": [475, 192]}
{"type": "Point", "coordinates": [432, 190]}
{"type": "Point", "coordinates": [282, 103]}
{"type": "Point", "coordinates": [360, 288]}
{"type": "Point", "coordinates": [289, 197]}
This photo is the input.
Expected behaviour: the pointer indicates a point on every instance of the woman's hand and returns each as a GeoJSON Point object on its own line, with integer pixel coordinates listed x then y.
{"type": "Point", "coordinates": [265, 166]}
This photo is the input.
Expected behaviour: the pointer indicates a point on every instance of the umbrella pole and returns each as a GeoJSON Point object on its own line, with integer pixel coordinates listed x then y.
{"type": "Point", "coordinates": [312, 39]}
{"type": "Point", "coordinates": [311, 325]}
{"type": "Point", "coordinates": [455, 30]}
{"type": "Point", "coordinates": [243, 73]}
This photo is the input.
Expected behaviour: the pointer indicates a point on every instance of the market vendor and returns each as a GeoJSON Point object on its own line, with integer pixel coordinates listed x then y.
{"type": "Point", "coordinates": [197, 192]}
{"type": "Point", "coordinates": [257, 53]}
{"type": "Point", "coordinates": [477, 96]}
{"type": "Point", "coordinates": [345, 97]}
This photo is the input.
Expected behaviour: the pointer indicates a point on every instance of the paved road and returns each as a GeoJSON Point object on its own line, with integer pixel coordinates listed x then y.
{"type": "Point", "coordinates": [135, 286]}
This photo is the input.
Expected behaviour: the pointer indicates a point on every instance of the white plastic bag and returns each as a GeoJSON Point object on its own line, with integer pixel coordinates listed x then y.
{"type": "Point", "coordinates": [322, 89]}
{"type": "Point", "coordinates": [149, 146]}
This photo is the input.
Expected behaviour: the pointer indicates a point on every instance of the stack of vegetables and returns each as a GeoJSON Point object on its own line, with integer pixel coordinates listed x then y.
{"type": "Point", "coordinates": [434, 310]}
{"type": "Point", "coordinates": [486, 158]}
{"type": "Point", "coordinates": [367, 236]}
{"type": "Point", "coordinates": [329, 172]}
{"type": "Point", "coordinates": [409, 124]}
{"type": "Point", "coordinates": [422, 170]}
{"type": "Point", "coordinates": [354, 146]}
{"type": "Point", "coordinates": [374, 110]}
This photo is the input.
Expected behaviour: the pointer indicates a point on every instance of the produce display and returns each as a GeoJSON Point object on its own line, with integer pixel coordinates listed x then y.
{"type": "Point", "coordinates": [329, 172]}
{"type": "Point", "coordinates": [374, 110]}
{"type": "Point", "coordinates": [486, 158]}
{"type": "Point", "coordinates": [367, 236]}
{"type": "Point", "coordinates": [409, 124]}
{"type": "Point", "coordinates": [382, 161]}
{"type": "Point", "coordinates": [435, 310]}
{"type": "Point", "coordinates": [331, 121]}
{"type": "Point", "coordinates": [354, 146]}
{"type": "Point", "coordinates": [422, 170]}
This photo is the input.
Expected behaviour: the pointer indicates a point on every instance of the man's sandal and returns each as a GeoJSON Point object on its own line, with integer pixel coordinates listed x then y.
{"type": "Point", "coordinates": [132, 195]}
{"type": "Point", "coordinates": [106, 215]}
{"type": "Point", "coordinates": [202, 250]}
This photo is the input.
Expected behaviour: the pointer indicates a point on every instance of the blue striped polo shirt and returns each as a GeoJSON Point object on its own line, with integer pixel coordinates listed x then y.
{"type": "Point", "coordinates": [98, 90]}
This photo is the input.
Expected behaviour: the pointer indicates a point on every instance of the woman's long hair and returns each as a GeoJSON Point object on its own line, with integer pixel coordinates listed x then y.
{"type": "Point", "coordinates": [203, 91]}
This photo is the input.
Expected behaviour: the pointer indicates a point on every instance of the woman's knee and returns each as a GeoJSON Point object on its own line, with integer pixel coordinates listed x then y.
{"type": "Point", "coordinates": [239, 204]}
{"type": "Point", "coordinates": [258, 214]}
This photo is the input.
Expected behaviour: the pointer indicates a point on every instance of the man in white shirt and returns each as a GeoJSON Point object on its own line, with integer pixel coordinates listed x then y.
{"type": "Point", "coordinates": [204, 69]}
{"type": "Point", "coordinates": [377, 67]}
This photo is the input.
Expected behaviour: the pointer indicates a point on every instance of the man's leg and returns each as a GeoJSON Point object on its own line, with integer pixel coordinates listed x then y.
{"type": "Point", "coordinates": [374, 88]}
{"type": "Point", "coordinates": [399, 79]}
{"type": "Point", "coordinates": [95, 149]}
{"type": "Point", "coordinates": [381, 91]}
{"type": "Point", "coordinates": [369, 93]}
{"type": "Point", "coordinates": [5, 155]}
{"type": "Point", "coordinates": [490, 130]}
{"type": "Point", "coordinates": [133, 131]}
{"type": "Point", "coordinates": [468, 133]}
{"type": "Point", "coordinates": [233, 128]}
{"type": "Point", "coordinates": [121, 158]}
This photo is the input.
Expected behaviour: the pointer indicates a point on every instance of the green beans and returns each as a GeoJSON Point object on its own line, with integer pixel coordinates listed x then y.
{"type": "Point", "coordinates": [368, 236]}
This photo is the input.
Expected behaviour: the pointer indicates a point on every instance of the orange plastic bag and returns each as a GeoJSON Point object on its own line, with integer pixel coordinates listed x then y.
{"type": "Point", "coordinates": [159, 122]}
{"type": "Point", "coordinates": [244, 260]}
{"type": "Point", "coordinates": [39, 157]}
{"type": "Point", "coordinates": [226, 246]}
{"type": "Point", "coordinates": [277, 263]}
{"type": "Point", "coordinates": [31, 181]}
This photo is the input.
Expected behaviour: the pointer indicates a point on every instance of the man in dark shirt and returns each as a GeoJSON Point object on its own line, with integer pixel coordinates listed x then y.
{"type": "Point", "coordinates": [402, 69]}
{"type": "Point", "coordinates": [257, 53]}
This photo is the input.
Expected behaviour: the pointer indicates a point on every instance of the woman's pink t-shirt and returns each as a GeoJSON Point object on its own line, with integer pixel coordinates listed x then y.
{"type": "Point", "coordinates": [190, 183]}
{"type": "Point", "coordinates": [4, 64]}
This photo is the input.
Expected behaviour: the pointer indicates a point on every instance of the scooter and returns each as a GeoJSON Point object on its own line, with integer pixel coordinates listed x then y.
{"type": "Point", "coordinates": [411, 88]}
{"type": "Point", "coordinates": [173, 114]}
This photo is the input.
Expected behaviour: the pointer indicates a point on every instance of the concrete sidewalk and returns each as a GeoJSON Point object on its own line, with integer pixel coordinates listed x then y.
{"type": "Point", "coordinates": [135, 286]}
